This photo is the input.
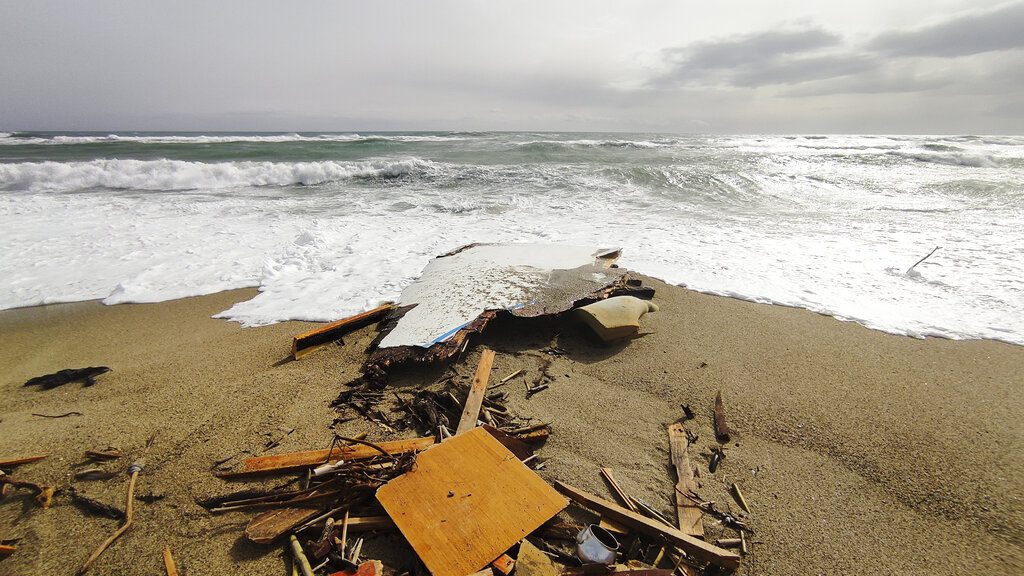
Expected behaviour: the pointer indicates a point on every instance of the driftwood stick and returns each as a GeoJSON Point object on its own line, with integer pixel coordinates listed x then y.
{"type": "Point", "coordinates": [922, 259]}
{"type": "Point", "coordinates": [169, 566]}
{"type": "Point", "coordinates": [722, 431]}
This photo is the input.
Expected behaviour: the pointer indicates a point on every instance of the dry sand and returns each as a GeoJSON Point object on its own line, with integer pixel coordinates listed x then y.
{"type": "Point", "coordinates": [859, 452]}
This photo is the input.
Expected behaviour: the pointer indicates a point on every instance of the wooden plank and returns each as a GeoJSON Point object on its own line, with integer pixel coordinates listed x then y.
{"type": "Point", "coordinates": [298, 460]}
{"type": "Point", "coordinates": [269, 526]}
{"type": "Point", "coordinates": [19, 461]}
{"type": "Point", "coordinates": [688, 514]}
{"type": "Point", "coordinates": [307, 342]}
{"type": "Point", "coordinates": [467, 501]}
{"type": "Point", "coordinates": [695, 547]}
{"type": "Point", "coordinates": [475, 398]}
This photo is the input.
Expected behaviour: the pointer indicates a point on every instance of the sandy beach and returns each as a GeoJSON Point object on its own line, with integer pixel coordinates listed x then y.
{"type": "Point", "coordinates": [858, 451]}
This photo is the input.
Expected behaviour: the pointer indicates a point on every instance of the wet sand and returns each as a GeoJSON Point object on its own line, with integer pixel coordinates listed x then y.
{"type": "Point", "coordinates": [858, 451]}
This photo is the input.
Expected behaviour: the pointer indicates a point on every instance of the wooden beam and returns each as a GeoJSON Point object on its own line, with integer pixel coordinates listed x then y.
{"type": "Point", "coordinates": [298, 460]}
{"type": "Point", "coordinates": [307, 342]}
{"type": "Point", "coordinates": [695, 547]}
{"type": "Point", "coordinates": [475, 398]}
{"type": "Point", "coordinates": [688, 514]}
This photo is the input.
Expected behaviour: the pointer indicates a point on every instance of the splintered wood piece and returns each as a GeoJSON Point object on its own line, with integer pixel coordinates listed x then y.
{"type": "Point", "coordinates": [521, 449]}
{"type": "Point", "coordinates": [269, 526]}
{"type": "Point", "coordinates": [317, 338]}
{"type": "Point", "coordinates": [466, 501]}
{"type": "Point", "coordinates": [6, 550]}
{"type": "Point", "coordinates": [688, 514]}
{"type": "Point", "coordinates": [609, 476]}
{"type": "Point", "coordinates": [19, 461]}
{"type": "Point", "coordinates": [475, 398]}
{"type": "Point", "coordinates": [695, 547]}
{"type": "Point", "coordinates": [169, 566]}
{"type": "Point", "coordinates": [722, 431]}
{"type": "Point", "coordinates": [297, 460]}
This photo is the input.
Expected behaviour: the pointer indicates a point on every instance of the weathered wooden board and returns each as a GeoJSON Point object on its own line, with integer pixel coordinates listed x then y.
{"type": "Point", "coordinates": [299, 460]}
{"type": "Point", "coordinates": [695, 547]}
{"type": "Point", "coordinates": [314, 339]}
{"type": "Point", "coordinates": [476, 392]}
{"type": "Point", "coordinates": [466, 501]}
{"type": "Point", "coordinates": [687, 512]}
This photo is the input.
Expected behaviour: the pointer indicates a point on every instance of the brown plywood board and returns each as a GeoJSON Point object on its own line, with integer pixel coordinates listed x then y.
{"type": "Point", "coordinates": [466, 501]}
{"type": "Point", "coordinates": [688, 514]}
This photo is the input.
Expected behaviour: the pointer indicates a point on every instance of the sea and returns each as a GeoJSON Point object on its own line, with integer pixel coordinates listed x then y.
{"type": "Point", "coordinates": [330, 224]}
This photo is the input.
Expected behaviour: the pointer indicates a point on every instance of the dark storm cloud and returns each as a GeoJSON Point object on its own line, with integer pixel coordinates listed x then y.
{"type": "Point", "coordinates": [770, 57]}
{"type": "Point", "coordinates": [974, 33]}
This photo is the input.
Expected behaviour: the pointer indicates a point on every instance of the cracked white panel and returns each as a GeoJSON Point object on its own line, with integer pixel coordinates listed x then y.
{"type": "Point", "coordinates": [454, 290]}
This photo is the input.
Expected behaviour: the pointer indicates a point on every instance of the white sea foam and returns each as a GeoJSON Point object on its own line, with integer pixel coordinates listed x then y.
{"type": "Point", "coordinates": [766, 219]}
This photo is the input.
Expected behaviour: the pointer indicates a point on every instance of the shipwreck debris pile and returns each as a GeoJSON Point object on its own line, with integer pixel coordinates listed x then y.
{"type": "Point", "coordinates": [464, 493]}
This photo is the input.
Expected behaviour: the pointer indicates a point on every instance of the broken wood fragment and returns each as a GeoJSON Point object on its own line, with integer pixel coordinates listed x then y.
{"type": "Point", "coordinates": [722, 431]}
{"type": "Point", "coordinates": [535, 437]}
{"type": "Point", "coordinates": [688, 514]}
{"type": "Point", "coordinates": [169, 565]}
{"type": "Point", "coordinates": [504, 564]}
{"type": "Point", "coordinates": [20, 461]}
{"type": "Point", "coordinates": [693, 546]}
{"type": "Point", "coordinates": [6, 550]}
{"type": "Point", "coordinates": [297, 460]}
{"type": "Point", "coordinates": [317, 338]}
{"type": "Point", "coordinates": [516, 446]}
{"type": "Point", "coordinates": [739, 498]}
{"type": "Point", "coordinates": [477, 391]}
{"type": "Point", "coordinates": [103, 454]}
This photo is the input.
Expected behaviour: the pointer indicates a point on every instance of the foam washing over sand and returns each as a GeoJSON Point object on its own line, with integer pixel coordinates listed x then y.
{"type": "Point", "coordinates": [330, 224]}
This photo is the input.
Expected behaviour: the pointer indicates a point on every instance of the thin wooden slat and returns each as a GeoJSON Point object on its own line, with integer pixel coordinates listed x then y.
{"type": "Point", "coordinates": [307, 342]}
{"type": "Point", "coordinates": [19, 461]}
{"type": "Point", "coordinates": [475, 398]}
{"type": "Point", "coordinates": [695, 547]}
{"type": "Point", "coordinates": [298, 460]}
{"type": "Point", "coordinates": [467, 501]}
{"type": "Point", "coordinates": [169, 566]}
{"type": "Point", "coordinates": [609, 476]}
{"type": "Point", "coordinates": [688, 513]}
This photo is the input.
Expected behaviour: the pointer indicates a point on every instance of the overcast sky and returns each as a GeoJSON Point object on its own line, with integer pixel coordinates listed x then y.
{"type": "Point", "coordinates": [878, 66]}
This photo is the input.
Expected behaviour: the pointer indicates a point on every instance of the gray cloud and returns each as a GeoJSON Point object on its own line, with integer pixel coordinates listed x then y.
{"type": "Point", "coordinates": [972, 33]}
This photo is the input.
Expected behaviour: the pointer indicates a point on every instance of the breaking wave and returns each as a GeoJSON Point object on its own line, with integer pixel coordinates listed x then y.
{"type": "Point", "coordinates": [29, 138]}
{"type": "Point", "coordinates": [164, 175]}
{"type": "Point", "coordinates": [952, 159]}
